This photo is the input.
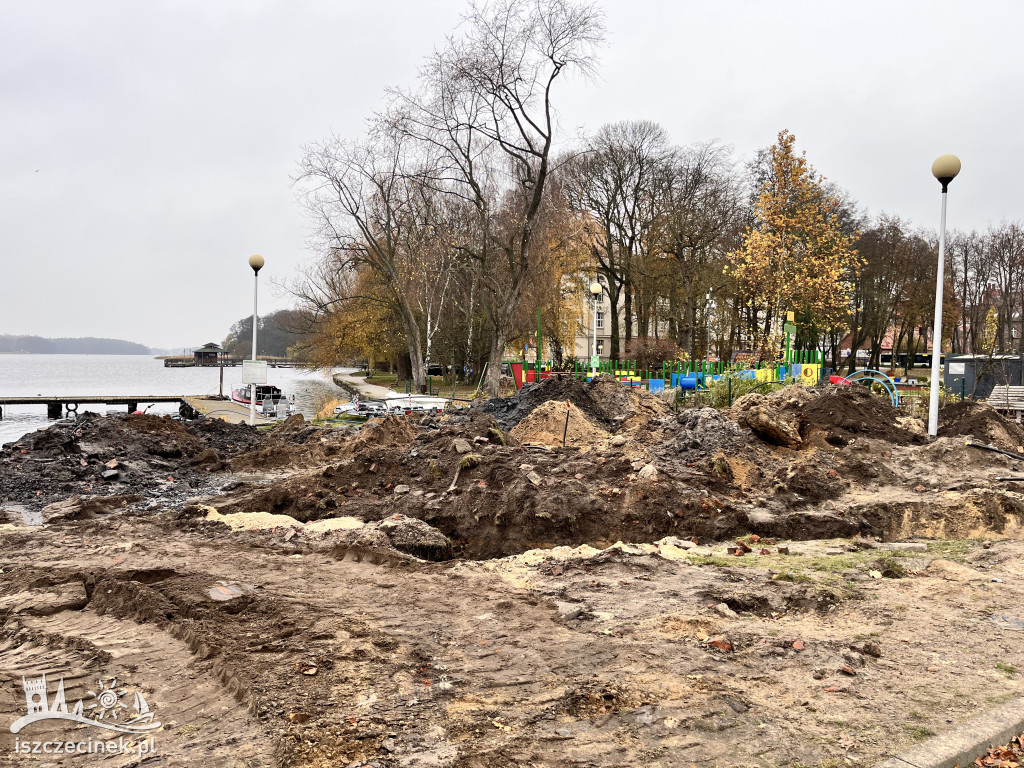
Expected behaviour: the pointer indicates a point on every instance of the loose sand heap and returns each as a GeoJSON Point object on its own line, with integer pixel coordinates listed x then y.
{"type": "Point", "coordinates": [548, 425]}
{"type": "Point", "coordinates": [264, 521]}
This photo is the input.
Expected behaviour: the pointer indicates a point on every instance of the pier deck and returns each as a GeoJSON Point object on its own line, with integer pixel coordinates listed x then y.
{"type": "Point", "coordinates": [228, 410]}
{"type": "Point", "coordinates": [56, 404]}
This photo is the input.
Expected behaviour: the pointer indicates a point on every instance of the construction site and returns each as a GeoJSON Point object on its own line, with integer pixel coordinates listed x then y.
{"type": "Point", "coordinates": [582, 574]}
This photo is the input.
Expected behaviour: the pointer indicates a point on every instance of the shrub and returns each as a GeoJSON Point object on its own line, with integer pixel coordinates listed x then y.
{"type": "Point", "coordinates": [719, 390]}
{"type": "Point", "coordinates": [650, 352]}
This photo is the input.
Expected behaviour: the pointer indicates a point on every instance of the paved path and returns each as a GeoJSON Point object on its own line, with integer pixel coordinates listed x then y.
{"type": "Point", "coordinates": [358, 383]}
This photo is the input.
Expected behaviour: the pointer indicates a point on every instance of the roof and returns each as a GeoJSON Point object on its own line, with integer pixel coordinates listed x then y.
{"type": "Point", "coordinates": [211, 347]}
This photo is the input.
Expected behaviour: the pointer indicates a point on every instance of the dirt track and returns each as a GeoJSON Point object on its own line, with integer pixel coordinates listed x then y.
{"type": "Point", "coordinates": [339, 647]}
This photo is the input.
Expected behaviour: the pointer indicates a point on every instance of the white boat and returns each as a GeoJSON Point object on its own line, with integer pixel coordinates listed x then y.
{"type": "Point", "coordinates": [408, 404]}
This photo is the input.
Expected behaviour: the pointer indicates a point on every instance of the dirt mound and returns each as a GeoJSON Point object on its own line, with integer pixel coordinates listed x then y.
{"type": "Point", "coordinates": [605, 401]}
{"type": "Point", "coordinates": [130, 454]}
{"type": "Point", "coordinates": [509, 411]}
{"type": "Point", "coordinates": [624, 406]}
{"type": "Point", "coordinates": [389, 432]}
{"type": "Point", "coordinates": [546, 425]}
{"type": "Point", "coordinates": [968, 418]}
{"type": "Point", "coordinates": [795, 413]}
{"type": "Point", "coordinates": [703, 431]}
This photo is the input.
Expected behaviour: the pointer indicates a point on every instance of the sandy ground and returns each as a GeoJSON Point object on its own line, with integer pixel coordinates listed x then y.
{"type": "Point", "coordinates": [806, 582]}
{"type": "Point", "coordinates": [621, 657]}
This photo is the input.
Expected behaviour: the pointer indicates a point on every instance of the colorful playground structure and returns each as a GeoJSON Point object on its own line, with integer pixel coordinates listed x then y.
{"type": "Point", "coordinates": [695, 375]}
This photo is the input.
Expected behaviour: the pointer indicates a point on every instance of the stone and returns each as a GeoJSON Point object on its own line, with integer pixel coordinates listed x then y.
{"type": "Point", "coordinates": [534, 478]}
{"type": "Point", "coordinates": [401, 490]}
{"type": "Point", "coordinates": [110, 474]}
{"type": "Point", "coordinates": [648, 473]}
{"type": "Point", "coordinates": [872, 649]}
{"type": "Point", "coordinates": [112, 464]}
{"type": "Point", "coordinates": [905, 546]}
{"type": "Point", "coordinates": [726, 611]}
{"type": "Point", "coordinates": [853, 658]}
{"type": "Point", "coordinates": [569, 611]}
{"type": "Point", "coordinates": [618, 441]}
{"type": "Point", "coordinates": [780, 427]}
{"type": "Point", "coordinates": [461, 445]}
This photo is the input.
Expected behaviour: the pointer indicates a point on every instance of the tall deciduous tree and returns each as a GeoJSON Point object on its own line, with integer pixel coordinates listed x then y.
{"type": "Point", "coordinates": [485, 110]}
{"type": "Point", "coordinates": [796, 255]}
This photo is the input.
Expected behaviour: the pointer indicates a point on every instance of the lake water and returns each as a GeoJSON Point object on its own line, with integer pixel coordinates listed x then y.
{"type": "Point", "coordinates": [129, 375]}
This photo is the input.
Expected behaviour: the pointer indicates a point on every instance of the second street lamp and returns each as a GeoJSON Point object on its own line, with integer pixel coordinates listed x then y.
{"type": "Point", "coordinates": [945, 169]}
{"type": "Point", "coordinates": [595, 291]}
{"type": "Point", "coordinates": [256, 262]}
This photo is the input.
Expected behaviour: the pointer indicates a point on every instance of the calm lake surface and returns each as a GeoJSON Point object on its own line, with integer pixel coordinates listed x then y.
{"type": "Point", "coordinates": [128, 375]}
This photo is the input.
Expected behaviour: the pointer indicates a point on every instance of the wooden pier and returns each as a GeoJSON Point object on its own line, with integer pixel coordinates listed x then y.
{"type": "Point", "coordinates": [215, 407]}
{"type": "Point", "coordinates": [56, 405]}
{"type": "Point", "coordinates": [188, 361]}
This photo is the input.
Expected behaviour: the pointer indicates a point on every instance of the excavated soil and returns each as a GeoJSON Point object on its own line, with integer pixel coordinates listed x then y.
{"type": "Point", "coordinates": [604, 400]}
{"type": "Point", "coordinates": [556, 423]}
{"type": "Point", "coordinates": [980, 421]}
{"type": "Point", "coordinates": [453, 591]}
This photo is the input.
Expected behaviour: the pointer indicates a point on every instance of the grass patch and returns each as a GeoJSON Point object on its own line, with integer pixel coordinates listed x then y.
{"type": "Point", "coordinates": [469, 460]}
{"type": "Point", "coordinates": [919, 732]}
{"type": "Point", "coordinates": [1007, 669]}
{"type": "Point", "coordinates": [463, 391]}
{"type": "Point", "coordinates": [957, 549]}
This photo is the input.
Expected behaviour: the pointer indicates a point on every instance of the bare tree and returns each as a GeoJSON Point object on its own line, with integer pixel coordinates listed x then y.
{"type": "Point", "coordinates": [702, 220]}
{"type": "Point", "coordinates": [618, 180]}
{"type": "Point", "coordinates": [373, 211]}
{"type": "Point", "coordinates": [485, 112]}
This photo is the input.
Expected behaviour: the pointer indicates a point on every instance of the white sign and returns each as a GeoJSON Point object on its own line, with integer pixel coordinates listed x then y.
{"type": "Point", "coordinates": [254, 371]}
{"type": "Point", "coordinates": [960, 368]}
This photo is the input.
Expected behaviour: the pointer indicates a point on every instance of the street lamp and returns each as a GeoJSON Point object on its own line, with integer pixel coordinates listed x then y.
{"type": "Point", "coordinates": [945, 169]}
{"type": "Point", "coordinates": [707, 317]}
{"type": "Point", "coordinates": [256, 262]}
{"type": "Point", "coordinates": [595, 291]}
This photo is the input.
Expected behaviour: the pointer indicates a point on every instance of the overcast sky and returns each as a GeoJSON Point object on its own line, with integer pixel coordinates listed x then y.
{"type": "Point", "coordinates": [146, 148]}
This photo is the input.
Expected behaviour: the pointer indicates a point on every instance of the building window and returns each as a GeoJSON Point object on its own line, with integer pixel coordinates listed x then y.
{"type": "Point", "coordinates": [600, 319]}
{"type": "Point", "coordinates": [600, 346]}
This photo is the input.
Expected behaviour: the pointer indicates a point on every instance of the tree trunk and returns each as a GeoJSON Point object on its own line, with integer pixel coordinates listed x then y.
{"type": "Point", "coordinates": [404, 367]}
{"type": "Point", "coordinates": [494, 362]}
{"type": "Point", "coordinates": [614, 294]}
{"type": "Point", "coordinates": [628, 310]}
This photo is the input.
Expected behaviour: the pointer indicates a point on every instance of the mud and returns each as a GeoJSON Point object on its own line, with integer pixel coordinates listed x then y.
{"type": "Point", "coordinates": [456, 592]}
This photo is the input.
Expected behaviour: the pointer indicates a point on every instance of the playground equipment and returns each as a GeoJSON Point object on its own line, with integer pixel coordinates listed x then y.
{"type": "Point", "coordinates": [875, 376]}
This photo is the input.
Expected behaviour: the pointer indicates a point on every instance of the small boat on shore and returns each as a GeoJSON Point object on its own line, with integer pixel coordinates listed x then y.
{"type": "Point", "coordinates": [269, 399]}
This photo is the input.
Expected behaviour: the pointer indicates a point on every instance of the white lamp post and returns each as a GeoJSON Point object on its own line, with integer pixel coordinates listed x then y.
{"type": "Point", "coordinates": [945, 169]}
{"type": "Point", "coordinates": [256, 262]}
{"type": "Point", "coordinates": [595, 291]}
